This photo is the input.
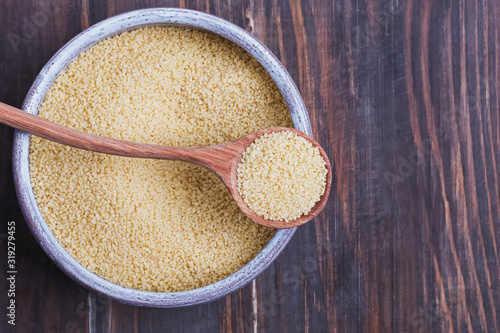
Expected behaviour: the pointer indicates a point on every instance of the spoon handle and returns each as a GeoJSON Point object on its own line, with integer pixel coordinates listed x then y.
{"type": "Point", "coordinates": [43, 128]}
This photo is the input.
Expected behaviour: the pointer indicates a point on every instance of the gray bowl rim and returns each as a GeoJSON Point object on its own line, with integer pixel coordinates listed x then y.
{"type": "Point", "coordinates": [89, 37]}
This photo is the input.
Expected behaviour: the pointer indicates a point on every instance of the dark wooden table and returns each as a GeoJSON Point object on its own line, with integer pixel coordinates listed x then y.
{"type": "Point", "coordinates": [404, 97]}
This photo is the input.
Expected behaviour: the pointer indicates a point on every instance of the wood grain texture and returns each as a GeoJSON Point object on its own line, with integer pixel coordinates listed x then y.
{"type": "Point", "coordinates": [403, 95]}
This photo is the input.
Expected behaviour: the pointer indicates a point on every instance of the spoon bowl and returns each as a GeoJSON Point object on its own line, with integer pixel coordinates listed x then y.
{"type": "Point", "coordinates": [226, 169]}
{"type": "Point", "coordinates": [221, 159]}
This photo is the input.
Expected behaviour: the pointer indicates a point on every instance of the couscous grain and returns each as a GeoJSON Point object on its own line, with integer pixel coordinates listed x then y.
{"type": "Point", "coordinates": [281, 176]}
{"type": "Point", "coordinates": [147, 224]}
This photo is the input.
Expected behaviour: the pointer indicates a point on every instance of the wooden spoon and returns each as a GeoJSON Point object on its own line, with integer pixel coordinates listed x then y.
{"type": "Point", "coordinates": [222, 159]}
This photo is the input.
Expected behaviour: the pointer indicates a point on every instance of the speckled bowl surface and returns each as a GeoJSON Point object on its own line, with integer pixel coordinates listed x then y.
{"type": "Point", "coordinates": [107, 28]}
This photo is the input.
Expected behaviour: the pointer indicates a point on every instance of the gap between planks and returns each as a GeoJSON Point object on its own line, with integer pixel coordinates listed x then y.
{"type": "Point", "coordinates": [254, 305]}
{"type": "Point", "coordinates": [91, 302]}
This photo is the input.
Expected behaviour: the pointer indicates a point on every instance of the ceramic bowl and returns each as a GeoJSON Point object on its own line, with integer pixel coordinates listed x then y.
{"type": "Point", "coordinates": [107, 28]}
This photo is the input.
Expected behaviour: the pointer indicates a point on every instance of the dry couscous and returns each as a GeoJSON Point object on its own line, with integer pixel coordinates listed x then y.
{"type": "Point", "coordinates": [147, 224]}
{"type": "Point", "coordinates": [281, 176]}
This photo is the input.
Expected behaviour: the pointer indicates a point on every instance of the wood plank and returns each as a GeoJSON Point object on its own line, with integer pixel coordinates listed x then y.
{"type": "Point", "coordinates": [47, 300]}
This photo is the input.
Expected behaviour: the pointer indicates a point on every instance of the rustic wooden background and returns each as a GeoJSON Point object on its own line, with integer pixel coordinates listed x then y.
{"type": "Point", "coordinates": [404, 97]}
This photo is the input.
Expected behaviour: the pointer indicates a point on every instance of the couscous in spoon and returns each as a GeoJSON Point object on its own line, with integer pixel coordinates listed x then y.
{"type": "Point", "coordinates": [221, 159]}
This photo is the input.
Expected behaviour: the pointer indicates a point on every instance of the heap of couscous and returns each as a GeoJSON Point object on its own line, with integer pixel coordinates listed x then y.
{"type": "Point", "coordinates": [148, 224]}
{"type": "Point", "coordinates": [281, 176]}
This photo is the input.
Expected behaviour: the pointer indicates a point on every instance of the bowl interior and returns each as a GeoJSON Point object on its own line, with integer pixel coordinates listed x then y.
{"type": "Point", "coordinates": [108, 28]}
